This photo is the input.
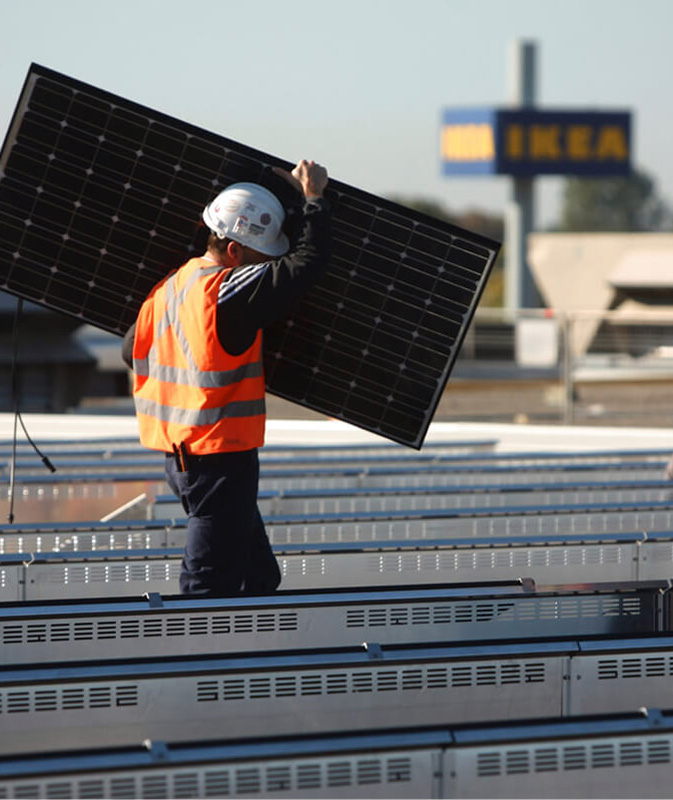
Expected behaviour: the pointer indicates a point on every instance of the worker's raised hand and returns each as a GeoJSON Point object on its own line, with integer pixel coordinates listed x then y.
{"type": "Point", "coordinates": [307, 177]}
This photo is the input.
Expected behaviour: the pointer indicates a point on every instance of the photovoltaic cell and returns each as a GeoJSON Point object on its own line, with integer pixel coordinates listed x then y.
{"type": "Point", "coordinates": [100, 197]}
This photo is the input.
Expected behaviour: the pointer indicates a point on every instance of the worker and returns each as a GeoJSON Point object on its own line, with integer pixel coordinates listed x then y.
{"type": "Point", "coordinates": [198, 385]}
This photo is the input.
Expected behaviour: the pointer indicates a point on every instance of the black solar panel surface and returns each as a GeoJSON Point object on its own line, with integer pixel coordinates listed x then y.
{"type": "Point", "coordinates": [100, 197]}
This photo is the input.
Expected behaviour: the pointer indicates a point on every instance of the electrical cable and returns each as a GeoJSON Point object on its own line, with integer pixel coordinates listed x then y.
{"type": "Point", "coordinates": [17, 413]}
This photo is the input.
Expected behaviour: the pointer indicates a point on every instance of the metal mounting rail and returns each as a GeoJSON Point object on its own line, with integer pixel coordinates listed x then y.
{"type": "Point", "coordinates": [449, 452]}
{"type": "Point", "coordinates": [166, 513]}
{"type": "Point", "coordinates": [485, 488]}
{"type": "Point", "coordinates": [335, 477]}
{"type": "Point", "coordinates": [461, 476]}
{"type": "Point", "coordinates": [192, 699]}
{"type": "Point", "coordinates": [547, 559]}
{"type": "Point", "coordinates": [465, 522]}
{"type": "Point", "coordinates": [172, 626]}
{"type": "Point", "coordinates": [96, 462]}
{"type": "Point", "coordinates": [381, 526]}
{"type": "Point", "coordinates": [114, 448]}
{"type": "Point", "coordinates": [615, 755]}
{"type": "Point", "coordinates": [341, 455]}
{"type": "Point", "coordinates": [391, 501]}
{"type": "Point", "coordinates": [485, 496]}
{"type": "Point", "coordinates": [94, 467]}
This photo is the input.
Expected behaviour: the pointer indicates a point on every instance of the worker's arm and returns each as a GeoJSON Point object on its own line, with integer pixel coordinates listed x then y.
{"type": "Point", "coordinates": [127, 346]}
{"type": "Point", "coordinates": [254, 296]}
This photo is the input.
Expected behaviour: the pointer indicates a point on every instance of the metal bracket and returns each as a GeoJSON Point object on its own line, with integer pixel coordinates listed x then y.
{"type": "Point", "coordinates": [154, 599]}
{"type": "Point", "coordinates": [373, 650]}
{"type": "Point", "coordinates": [158, 750]}
{"type": "Point", "coordinates": [654, 716]}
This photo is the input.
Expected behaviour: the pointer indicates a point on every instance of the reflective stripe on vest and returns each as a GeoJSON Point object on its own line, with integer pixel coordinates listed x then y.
{"type": "Point", "coordinates": [208, 379]}
{"type": "Point", "coordinates": [203, 416]}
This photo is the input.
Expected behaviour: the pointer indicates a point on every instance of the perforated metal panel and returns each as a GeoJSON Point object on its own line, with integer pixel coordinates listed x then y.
{"type": "Point", "coordinates": [605, 766]}
{"type": "Point", "coordinates": [95, 631]}
{"type": "Point", "coordinates": [100, 197]}
{"type": "Point", "coordinates": [612, 756]}
{"type": "Point", "coordinates": [655, 560]}
{"type": "Point", "coordinates": [451, 524]}
{"type": "Point", "coordinates": [553, 564]}
{"type": "Point", "coordinates": [461, 476]}
{"type": "Point", "coordinates": [99, 578]}
{"type": "Point", "coordinates": [195, 699]}
{"type": "Point", "coordinates": [28, 542]}
{"type": "Point", "coordinates": [143, 536]}
{"type": "Point", "coordinates": [167, 507]}
{"type": "Point", "coordinates": [388, 775]}
{"type": "Point", "coordinates": [275, 481]}
{"type": "Point", "coordinates": [11, 587]}
{"type": "Point", "coordinates": [31, 577]}
{"type": "Point", "coordinates": [642, 676]}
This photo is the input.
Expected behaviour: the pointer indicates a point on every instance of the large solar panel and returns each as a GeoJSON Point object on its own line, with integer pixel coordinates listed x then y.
{"type": "Point", "coordinates": [100, 197]}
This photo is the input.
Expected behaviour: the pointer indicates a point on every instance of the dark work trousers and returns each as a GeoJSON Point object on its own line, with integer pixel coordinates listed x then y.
{"type": "Point", "coordinates": [227, 552]}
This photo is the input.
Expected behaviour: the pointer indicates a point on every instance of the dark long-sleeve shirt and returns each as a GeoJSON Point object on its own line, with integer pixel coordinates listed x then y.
{"type": "Point", "coordinates": [253, 296]}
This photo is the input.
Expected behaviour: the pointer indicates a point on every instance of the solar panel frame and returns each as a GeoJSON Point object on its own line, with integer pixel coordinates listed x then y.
{"type": "Point", "coordinates": [100, 197]}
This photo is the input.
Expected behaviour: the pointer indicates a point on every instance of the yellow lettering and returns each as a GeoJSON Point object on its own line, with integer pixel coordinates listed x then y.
{"type": "Point", "coordinates": [445, 142]}
{"type": "Point", "coordinates": [612, 144]}
{"type": "Point", "coordinates": [472, 142]}
{"type": "Point", "coordinates": [544, 142]}
{"type": "Point", "coordinates": [514, 141]}
{"type": "Point", "coordinates": [578, 142]}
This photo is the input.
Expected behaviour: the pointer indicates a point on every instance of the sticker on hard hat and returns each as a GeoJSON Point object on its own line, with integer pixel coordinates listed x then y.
{"type": "Point", "coordinates": [241, 226]}
{"type": "Point", "coordinates": [265, 219]}
{"type": "Point", "coordinates": [231, 205]}
{"type": "Point", "coordinates": [256, 230]}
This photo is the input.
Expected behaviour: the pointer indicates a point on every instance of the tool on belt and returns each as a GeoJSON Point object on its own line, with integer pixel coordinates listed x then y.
{"type": "Point", "coordinates": [180, 453]}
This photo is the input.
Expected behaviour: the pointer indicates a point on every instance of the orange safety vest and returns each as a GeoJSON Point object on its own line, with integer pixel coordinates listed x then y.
{"type": "Point", "coordinates": [186, 387]}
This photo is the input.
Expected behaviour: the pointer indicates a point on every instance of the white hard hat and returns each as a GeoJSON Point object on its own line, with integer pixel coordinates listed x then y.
{"type": "Point", "coordinates": [250, 215]}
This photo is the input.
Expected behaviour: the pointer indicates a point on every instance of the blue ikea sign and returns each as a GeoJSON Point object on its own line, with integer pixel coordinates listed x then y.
{"type": "Point", "coordinates": [527, 142]}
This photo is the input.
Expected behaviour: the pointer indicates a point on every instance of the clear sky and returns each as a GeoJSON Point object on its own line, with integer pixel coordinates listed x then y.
{"type": "Point", "coordinates": [358, 85]}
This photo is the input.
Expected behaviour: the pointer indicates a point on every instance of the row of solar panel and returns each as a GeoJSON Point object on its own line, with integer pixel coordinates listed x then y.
{"type": "Point", "coordinates": [546, 560]}
{"type": "Point", "coordinates": [405, 669]}
{"type": "Point", "coordinates": [110, 704]}
{"type": "Point", "coordinates": [394, 477]}
{"type": "Point", "coordinates": [114, 629]}
{"type": "Point", "coordinates": [609, 756]}
{"type": "Point", "coordinates": [469, 452]}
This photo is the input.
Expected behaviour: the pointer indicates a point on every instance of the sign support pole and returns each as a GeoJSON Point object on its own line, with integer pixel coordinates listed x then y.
{"type": "Point", "coordinates": [520, 290]}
